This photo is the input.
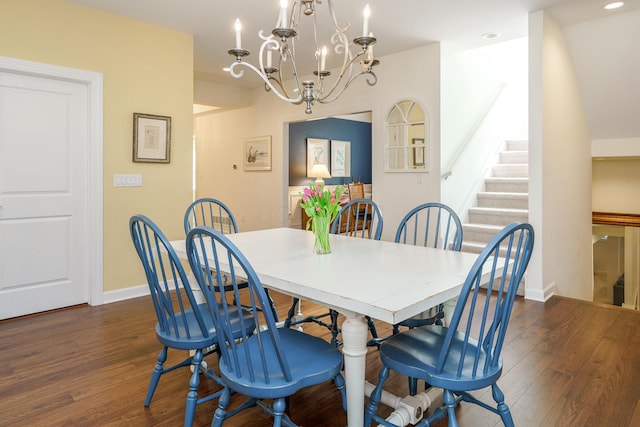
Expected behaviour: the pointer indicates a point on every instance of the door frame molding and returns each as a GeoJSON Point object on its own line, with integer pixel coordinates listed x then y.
{"type": "Point", "coordinates": [94, 83]}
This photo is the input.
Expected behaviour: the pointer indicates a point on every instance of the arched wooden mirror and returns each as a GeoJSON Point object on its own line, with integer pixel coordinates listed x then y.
{"type": "Point", "coordinates": [407, 144]}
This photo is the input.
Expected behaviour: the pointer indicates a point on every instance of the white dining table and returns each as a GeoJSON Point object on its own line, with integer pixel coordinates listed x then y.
{"type": "Point", "coordinates": [386, 281]}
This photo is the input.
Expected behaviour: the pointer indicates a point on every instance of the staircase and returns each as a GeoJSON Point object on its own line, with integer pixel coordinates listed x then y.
{"type": "Point", "coordinates": [504, 201]}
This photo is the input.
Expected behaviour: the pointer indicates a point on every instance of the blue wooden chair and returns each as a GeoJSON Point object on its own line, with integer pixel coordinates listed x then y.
{"type": "Point", "coordinates": [271, 364]}
{"type": "Point", "coordinates": [465, 355]}
{"type": "Point", "coordinates": [183, 323]}
{"type": "Point", "coordinates": [214, 213]}
{"type": "Point", "coordinates": [211, 213]}
{"type": "Point", "coordinates": [358, 218]}
{"type": "Point", "coordinates": [433, 225]}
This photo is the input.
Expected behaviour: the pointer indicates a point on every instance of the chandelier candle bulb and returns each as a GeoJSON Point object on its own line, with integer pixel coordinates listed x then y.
{"type": "Point", "coordinates": [323, 58]}
{"type": "Point", "coordinates": [238, 28]}
{"type": "Point", "coordinates": [370, 49]}
{"type": "Point", "coordinates": [365, 23]}
{"type": "Point", "coordinates": [282, 21]}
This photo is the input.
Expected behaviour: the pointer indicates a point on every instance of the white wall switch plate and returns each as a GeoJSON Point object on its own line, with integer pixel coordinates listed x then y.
{"type": "Point", "coordinates": [120, 180]}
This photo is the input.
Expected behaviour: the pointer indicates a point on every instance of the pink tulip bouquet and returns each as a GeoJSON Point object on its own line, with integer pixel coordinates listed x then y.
{"type": "Point", "coordinates": [322, 206]}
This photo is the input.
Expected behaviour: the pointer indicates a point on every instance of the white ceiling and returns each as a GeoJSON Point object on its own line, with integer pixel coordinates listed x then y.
{"type": "Point", "coordinates": [404, 24]}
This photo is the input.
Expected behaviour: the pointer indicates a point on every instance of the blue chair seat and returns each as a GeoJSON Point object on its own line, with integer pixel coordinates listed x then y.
{"type": "Point", "coordinates": [312, 362]}
{"type": "Point", "coordinates": [188, 336]}
{"type": "Point", "coordinates": [415, 353]}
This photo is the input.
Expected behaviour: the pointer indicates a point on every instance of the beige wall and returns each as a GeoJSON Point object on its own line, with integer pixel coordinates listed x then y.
{"type": "Point", "coordinates": [560, 169]}
{"type": "Point", "coordinates": [259, 199]}
{"type": "Point", "coordinates": [146, 69]}
{"type": "Point", "coordinates": [616, 186]}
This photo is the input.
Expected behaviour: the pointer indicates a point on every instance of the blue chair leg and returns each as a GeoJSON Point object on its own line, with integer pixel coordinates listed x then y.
{"type": "Point", "coordinates": [221, 412]}
{"type": "Point", "coordinates": [155, 375]}
{"type": "Point", "coordinates": [335, 330]}
{"type": "Point", "coordinates": [278, 411]}
{"type": "Point", "coordinates": [413, 386]}
{"type": "Point", "coordinates": [273, 306]}
{"type": "Point", "coordinates": [340, 385]}
{"type": "Point", "coordinates": [450, 402]}
{"type": "Point", "coordinates": [374, 333]}
{"type": "Point", "coordinates": [503, 409]}
{"type": "Point", "coordinates": [292, 312]}
{"type": "Point", "coordinates": [192, 396]}
{"type": "Point", "coordinates": [375, 397]}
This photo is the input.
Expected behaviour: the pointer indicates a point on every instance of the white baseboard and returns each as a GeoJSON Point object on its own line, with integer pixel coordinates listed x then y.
{"type": "Point", "coordinates": [140, 291]}
{"type": "Point", "coordinates": [125, 294]}
{"type": "Point", "coordinates": [541, 295]}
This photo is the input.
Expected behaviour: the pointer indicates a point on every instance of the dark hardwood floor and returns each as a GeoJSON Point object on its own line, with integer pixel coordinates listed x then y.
{"type": "Point", "coordinates": [566, 363]}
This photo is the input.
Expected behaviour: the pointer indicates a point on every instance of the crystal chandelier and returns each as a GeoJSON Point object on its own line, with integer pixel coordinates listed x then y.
{"type": "Point", "coordinates": [281, 71]}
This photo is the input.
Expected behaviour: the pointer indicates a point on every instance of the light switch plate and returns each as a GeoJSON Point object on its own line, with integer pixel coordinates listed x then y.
{"type": "Point", "coordinates": [120, 180]}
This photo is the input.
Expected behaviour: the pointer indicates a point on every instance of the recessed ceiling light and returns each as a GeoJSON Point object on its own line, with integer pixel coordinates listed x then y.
{"type": "Point", "coordinates": [614, 5]}
{"type": "Point", "coordinates": [490, 36]}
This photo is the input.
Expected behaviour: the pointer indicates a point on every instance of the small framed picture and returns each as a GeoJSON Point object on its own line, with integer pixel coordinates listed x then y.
{"type": "Point", "coordinates": [317, 153]}
{"type": "Point", "coordinates": [151, 138]}
{"type": "Point", "coordinates": [257, 153]}
{"type": "Point", "coordinates": [340, 158]}
{"type": "Point", "coordinates": [418, 152]}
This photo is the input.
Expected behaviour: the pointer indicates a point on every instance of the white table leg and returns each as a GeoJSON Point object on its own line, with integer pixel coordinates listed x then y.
{"type": "Point", "coordinates": [354, 349]}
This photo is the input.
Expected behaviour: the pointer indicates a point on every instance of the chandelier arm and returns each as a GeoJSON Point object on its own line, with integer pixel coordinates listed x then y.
{"type": "Point", "coordinates": [341, 43]}
{"type": "Point", "coordinates": [347, 68]}
{"type": "Point", "coordinates": [266, 80]}
{"type": "Point", "coordinates": [371, 80]}
{"type": "Point", "coordinates": [335, 21]}
{"type": "Point", "coordinates": [295, 17]}
{"type": "Point", "coordinates": [294, 71]}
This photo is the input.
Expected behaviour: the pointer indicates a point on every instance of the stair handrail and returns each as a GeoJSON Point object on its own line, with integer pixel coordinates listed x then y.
{"type": "Point", "coordinates": [448, 171]}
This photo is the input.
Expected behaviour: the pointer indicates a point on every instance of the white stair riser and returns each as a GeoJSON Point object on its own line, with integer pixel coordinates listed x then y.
{"type": "Point", "coordinates": [497, 200]}
{"type": "Point", "coordinates": [510, 171]}
{"type": "Point", "coordinates": [496, 285]}
{"type": "Point", "coordinates": [472, 247]}
{"type": "Point", "coordinates": [479, 216]}
{"type": "Point", "coordinates": [514, 157]}
{"type": "Point", "coordinates": [517, 145]}
{"type": "Point", "coordinates": [476, 248]}
{"type": "Point", "coordinates": [478, 235]}
{"type": "Point", "coordinates": [507, 186]}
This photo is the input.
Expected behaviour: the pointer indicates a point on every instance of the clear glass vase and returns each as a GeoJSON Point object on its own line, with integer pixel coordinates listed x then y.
{"type": "Point", "coordinates": [322, 244]}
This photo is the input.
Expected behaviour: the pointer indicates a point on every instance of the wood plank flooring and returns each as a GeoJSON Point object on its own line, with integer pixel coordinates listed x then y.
{"type": "Point", "coordinates": [566, 363]}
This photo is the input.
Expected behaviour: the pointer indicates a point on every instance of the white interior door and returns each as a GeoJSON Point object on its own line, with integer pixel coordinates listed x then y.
{"type": "Point", "coordinates": [44, 238]}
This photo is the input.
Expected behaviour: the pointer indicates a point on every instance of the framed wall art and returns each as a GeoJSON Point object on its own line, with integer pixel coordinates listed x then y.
{"type": "Point", "coordinates": [340, 158]}
{"type": "Point", "coordinates": [151, 138]}
{"type": "Point", "coordinates": [317, 153]}
{"type": "Point", "coordinates": [257, 153]}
